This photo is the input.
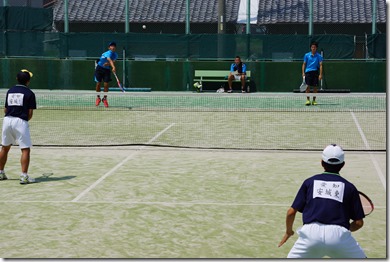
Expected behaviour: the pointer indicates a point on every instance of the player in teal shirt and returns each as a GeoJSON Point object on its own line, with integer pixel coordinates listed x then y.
{"type": "Point", "coordinates": [237, 72]}
{"type": "Point", "coordinates": [102, 71]}
{"type": "Point", "coordinates": [312, 71]}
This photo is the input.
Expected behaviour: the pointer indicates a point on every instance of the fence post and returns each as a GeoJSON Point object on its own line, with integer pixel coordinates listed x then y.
{"type": "Point", "coordinates": [373, 17]}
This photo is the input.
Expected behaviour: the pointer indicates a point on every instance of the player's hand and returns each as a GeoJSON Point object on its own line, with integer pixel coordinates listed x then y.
{"type": "Point", "coordinates": [285, 238]}
{"type": "Point", "coordinates": [114, 70]}
{"type": "Point", "coordinates": [320, 77]}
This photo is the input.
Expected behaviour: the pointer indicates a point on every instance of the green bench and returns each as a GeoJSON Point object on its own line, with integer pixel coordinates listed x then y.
{"type": "Point", "coordinates": [216, 76]}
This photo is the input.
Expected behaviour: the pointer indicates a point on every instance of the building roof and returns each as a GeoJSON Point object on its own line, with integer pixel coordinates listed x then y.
{"type": "Point", "coordinates": [144, 11]}
{"type": "Point", "coordinates": [206, 11]}
{"type": "Point", "coordinates": [324, 11]}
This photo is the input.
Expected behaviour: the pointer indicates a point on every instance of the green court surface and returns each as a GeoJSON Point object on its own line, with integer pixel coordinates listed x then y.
{"type": "Point", "coordinates": [148, 202]}
{"type": "Point", "coordinates": [184, 175]}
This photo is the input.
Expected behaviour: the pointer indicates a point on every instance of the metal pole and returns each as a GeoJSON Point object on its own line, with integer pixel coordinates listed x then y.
{"type": "Point", "coordinates": [124, 67]}
{"type": "Point", "coordinates": [5, 40]}
{"type": "Point", "coordinates": [221, 28]}
{"type": "Point", "coordinates": [187, 17]}
{"type": "Point", "coordinates": [186, 63]}
{"type": "Point", "coordinates": [66, 18]}
{"type": "Point", "coordinates": [127, 21]}
{"type": "Point", "coordinates": [248, 17]}
{"type": "Point", "coordinates": [221, 17]}
{"type": "Point", "coordinates": [322, 79]}
{"type": "Point", "coordinates": [310, 17]}
{"type": "Point", "coordinates": [373, 17]}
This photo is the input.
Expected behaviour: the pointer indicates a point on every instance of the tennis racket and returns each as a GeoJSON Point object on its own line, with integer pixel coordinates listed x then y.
{"type": "Point", "coordinates": [303, 86]}
{"type": "Point", "coordinates": [46, 175]}
{"type": "Point", "coordinates": [367, 204]}
{"type": "Point", "coordinates": [119, 83]}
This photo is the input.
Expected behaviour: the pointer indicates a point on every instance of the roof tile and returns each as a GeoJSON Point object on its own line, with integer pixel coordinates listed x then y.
{"type": "Point", "coordinates": [205, 11]}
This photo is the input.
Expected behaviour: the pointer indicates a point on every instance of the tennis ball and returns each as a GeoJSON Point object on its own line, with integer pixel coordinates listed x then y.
{"type": "Point", "coordinates": [144, 26]}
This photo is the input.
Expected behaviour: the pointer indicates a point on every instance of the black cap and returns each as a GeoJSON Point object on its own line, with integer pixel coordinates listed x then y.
{"type": "Point", "coordinates": [112, 43]}
{"type": "Point", "coordinates": [24, 76]}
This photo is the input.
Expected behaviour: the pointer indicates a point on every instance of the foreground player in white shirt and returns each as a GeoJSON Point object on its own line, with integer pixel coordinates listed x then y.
{"type": "Point", "coordinates": [328, 203]}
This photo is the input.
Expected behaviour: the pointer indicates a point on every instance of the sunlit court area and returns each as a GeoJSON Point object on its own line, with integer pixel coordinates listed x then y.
{"type": "Point", "coordinates": [181, 152]}
{"type": "Point", "coordinates": [178, 175]}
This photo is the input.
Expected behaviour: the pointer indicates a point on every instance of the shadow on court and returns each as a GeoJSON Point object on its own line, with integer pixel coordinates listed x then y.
{"type": "Point", "coordinates": [50, 179]}
{"type": "Point", "coordinates": [46, 179]}
{"type": "Point", "coordinates": [326, 104]}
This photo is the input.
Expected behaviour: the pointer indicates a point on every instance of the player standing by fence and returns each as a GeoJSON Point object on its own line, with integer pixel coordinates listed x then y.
{"type": "Point", "coordinates": [102, 71]}
{"type": "Point", "coordinates": [312, 70]}
{"type": "Point", "coordinates": [19, 105]}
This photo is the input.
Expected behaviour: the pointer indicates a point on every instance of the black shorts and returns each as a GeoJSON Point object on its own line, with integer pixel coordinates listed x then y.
{"type": "Point", "coordinates": [102, 74]}
{"type": "Point", "coordinates": [311, 78]}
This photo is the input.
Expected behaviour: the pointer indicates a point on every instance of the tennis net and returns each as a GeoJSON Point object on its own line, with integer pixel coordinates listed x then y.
{"type": "Point", "coordinates": [272, 121]}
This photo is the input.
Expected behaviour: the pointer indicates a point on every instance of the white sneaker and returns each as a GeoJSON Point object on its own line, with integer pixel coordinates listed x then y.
{"type": "Point", "coordinates": [3, 176]}
{"type": "Point", "coordinates": [26, 179]}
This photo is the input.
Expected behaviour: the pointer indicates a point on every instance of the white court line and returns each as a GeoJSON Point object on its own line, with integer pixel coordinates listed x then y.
{"type": "Point", "coordinates": [150, 203]}
{"type": "Point", "coordinates": [119, 165]}
{"type": "Point", "coordinates": [373, 159]}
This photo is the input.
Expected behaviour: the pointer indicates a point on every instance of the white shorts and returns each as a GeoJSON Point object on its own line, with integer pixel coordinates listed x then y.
{"type": "Point", "coordinates": [317, 240]}
{"type": "Point", "coordinates": [16, 131]}
{"type": "Point", "coordinates": [238, 77]}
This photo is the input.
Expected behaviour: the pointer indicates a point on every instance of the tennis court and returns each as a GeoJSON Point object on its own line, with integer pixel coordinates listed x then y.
{"type": "Point", "coordinates": [184, 176]}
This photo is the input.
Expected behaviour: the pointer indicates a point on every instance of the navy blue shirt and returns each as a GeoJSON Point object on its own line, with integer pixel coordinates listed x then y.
{"type": "Point", "coordinates": [19, 100]}
{"type": "Point", "coordinates": [330, 199]}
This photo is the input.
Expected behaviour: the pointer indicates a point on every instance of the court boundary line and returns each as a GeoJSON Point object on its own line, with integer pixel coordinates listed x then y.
{"type": "Point", "coordinates": [150, 203]}
{"type": "Point", "coordinates": [120, 164]}
{"type": "Point", "coordinates": [366, 144]}
{"type": "Point", "coordinates": [156, 203]}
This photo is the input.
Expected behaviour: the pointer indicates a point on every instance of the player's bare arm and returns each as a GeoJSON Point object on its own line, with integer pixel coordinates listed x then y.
{"type": "Point", "coordinates": [111, 64]}
{"type": "Point", "coordinates": [356, 225]}
{"type": "Point", "coordinates": [30, 114]}
{"type": "Point", "coordinates": [320, 76]}
{"type": "Point", "coordinates": [290, 217]}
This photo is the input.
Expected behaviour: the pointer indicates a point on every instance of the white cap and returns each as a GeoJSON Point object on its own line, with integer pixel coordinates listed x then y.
{"type": "Point", "coordinates": [333, 154]}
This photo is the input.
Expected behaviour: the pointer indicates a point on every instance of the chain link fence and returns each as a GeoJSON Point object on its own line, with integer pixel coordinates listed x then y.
{"type": "Point", "coordinates": [28, 31]}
